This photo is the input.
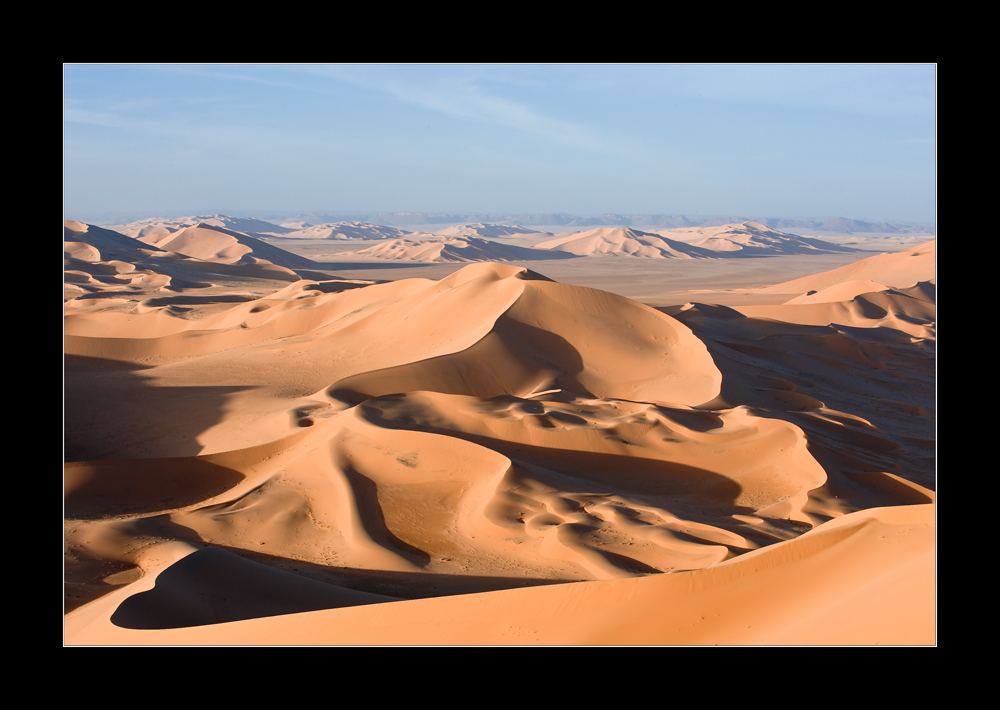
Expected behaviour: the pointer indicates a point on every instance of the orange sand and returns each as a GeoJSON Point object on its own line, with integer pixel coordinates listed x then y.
{"type": "Point", "coordinates": [261, 453]}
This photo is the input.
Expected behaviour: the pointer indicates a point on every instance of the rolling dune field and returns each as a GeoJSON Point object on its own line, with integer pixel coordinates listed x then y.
{"type": "Point", "coordinates": [262, 448]}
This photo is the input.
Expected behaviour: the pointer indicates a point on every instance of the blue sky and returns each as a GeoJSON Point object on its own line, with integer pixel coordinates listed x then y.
{"type": "Point", "coordinates": [790, 141]}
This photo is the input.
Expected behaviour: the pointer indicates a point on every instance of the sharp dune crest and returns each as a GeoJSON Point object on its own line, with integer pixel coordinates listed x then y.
{"type": "Point", "coordinates": [624, 241]}
{"type": "Point", "coordinates": [454, 249]}
{"type": "Point", "coordinates": [752, 239]}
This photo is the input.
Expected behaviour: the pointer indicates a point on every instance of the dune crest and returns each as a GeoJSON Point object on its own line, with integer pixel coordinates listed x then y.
{"type": "Point", "coordinates": [343, 230]}
{"type": "Point", "coordinates": [897, 269]}
{"type": "Point", "coordinates": [455, 249]}
{"type": "Point", "coordinates": [624, 241]}
{"type": "Point", "coordinates": [751, 239]}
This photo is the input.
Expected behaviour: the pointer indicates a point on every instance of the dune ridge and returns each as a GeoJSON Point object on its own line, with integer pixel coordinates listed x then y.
{"type": "Point", "coordinates": [751, 239]}
{"type": "Point", "coordinates": [624, 241]}
{"type": "Point", "coordinates": [344, 230]}
{"type": "Point", "coordinates": [889, 551]}
{"type": "Point", "coordinates": [897, 269]}
{"type": "Point", "coordinates": [455, 249]}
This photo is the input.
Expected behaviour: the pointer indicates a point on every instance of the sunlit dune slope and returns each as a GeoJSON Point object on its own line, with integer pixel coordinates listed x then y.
{"type": "Point", "coordinates": [866, 578]}
{"type": "Point", "coordinates": [345, 230]}
{"type": "Point", "coordinates": [897, 269]}
{"type": "Point", "coordinates": [623, 241]}
{"type": "Point", "coordinates": [223, 245]}
{"type": "Point", "coordinates": [455, 249]}
{"type": "Point", "coordinates": [752, 239]}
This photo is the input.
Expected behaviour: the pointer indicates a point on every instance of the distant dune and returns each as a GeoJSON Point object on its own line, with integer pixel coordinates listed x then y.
{"type": "Point", "coordinates": [455, 249]}
{"type": "Point", "coordinates": [246, 225]}
{"type": "Point", "coordinates": [623, 241]}
{"type": "Point", "coordinates": [225, 246]}
{"type": "Point", "coordinates": [751, 239]}
{"type": "Point", "coordinates": [346, 230]}
{"type": "Point", "coordinates": [485, 230]}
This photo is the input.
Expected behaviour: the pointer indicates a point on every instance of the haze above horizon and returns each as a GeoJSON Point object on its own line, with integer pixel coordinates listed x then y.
{"type": "Point", "coordinates": [857, 141]}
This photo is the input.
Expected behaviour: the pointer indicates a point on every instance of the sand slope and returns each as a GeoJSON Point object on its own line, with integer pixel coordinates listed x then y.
{"type": "Point", "coordinates": [455, 249]}
{"type": "Point", "coordinates": [751, 239]}
{"type": "Point", "coordinates": [210, 243]}
{"type": "Point", "coordinates": [485, 230]}
{"type": "Point", "coordinates": [492, 458]}
{"type": "Point", "coordinates": [866, 578]}
{"type": "Point", "coordinates": [345, 230]}
{"type": "Point", "coordinates": [624, 241]}
{"type": "Point", "coordinates": [897, 269]}
{"type": "Point", "coordinates": [147, 227]}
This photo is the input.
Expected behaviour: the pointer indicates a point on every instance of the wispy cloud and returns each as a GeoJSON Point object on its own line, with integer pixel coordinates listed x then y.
{"type": "Point", "coordinates": [460, 92]}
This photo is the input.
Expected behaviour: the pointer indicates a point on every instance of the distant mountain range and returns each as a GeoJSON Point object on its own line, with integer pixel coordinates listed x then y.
{"type": "Point", "coordinates": [271, 225]}
{"type": "Point", "coordinates": [835, 224]}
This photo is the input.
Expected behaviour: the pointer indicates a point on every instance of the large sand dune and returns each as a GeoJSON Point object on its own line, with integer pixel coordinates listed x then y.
{"type": "Point", "coordinates": [486, 230]}
{"type": "Point", "coordinates": [491, 458]}
{"type": "Point", "coordinates": [225, 246]}
{"type": "Point", "coordinates": [624, 241]}
{"type": "Point", "coordinates": [903, 269]}
{"type": "Point", "coordinates": [146, 227]}
{"type": "Point", "coordinates": [751, 239]}
{"type": "Point", "coordinates": [454, 249]}
{"type": "Point", "coordinates": [345, 230]}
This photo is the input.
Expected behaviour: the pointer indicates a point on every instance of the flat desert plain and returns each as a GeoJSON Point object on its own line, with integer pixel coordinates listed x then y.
{"type": "Point", "coordinates": [286, 442]}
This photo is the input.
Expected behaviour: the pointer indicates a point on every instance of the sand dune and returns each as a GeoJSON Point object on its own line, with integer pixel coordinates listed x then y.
{"type": "Point", "coordinates": [485, 230]}
{"type": "Point", "coordinates": [623, 241]}
{"type": "Point", "coordinates": [751, 239]}
{"type": "Point", "coordinates": [147, 227]}
{"type": "Point", "coordinates": [455, 249]}
{"type": "Point", "coordinates": [210, 243]}
{"type": "Point", "coordinates": [897, 269]}
{"type": "Point", "coordinates": [492, 458]}
{"type": "Point", "coordinates": [866, 578]}
{"type": "Point", "coordinates": [345, 230]}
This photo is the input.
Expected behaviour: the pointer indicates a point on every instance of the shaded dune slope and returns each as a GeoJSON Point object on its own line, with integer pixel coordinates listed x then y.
{"type": "Point", "coordinates": [210, 243]}
{"type": "Point", "coordinates": [623, 241]}
{"type": "Point", "coordinates": [455, 249]}
{"type": "Point", "coordinates": [753, 239]}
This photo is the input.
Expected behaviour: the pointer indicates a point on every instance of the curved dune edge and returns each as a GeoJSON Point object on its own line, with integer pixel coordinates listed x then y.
{"type": "Point", "coordinates": [906, 310]}
{"type": "Point", "coordinates": [862, 579]}
{"type": "Point", "coordinates": [893, 269]}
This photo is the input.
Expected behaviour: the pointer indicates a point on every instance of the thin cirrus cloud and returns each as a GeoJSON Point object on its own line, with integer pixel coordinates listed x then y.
{"type": "Point", "coordinates": [460, 94]}
{"type": "Point", "coordinates": [455, 91]}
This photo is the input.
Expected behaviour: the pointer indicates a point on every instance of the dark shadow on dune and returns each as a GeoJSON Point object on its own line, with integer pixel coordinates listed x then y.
{"type": "Point", "coordinates": [333, 286]}
{"type": "Point", "coordinates": [671, 485]}
{"type": "Point", "coordinates": [196, 300]}
{"type": "Point", "coordinates": [368, 265]}
{"type": "Point", "coordinates": [95, 489]}
{"type": "Point", "coordinates": [111, 411]}
{"type": "Point", "coordinates": [219, 584]}
{"type": "Point", "coordinates": [108, 294]}
{"type": "Point", "coordinates": [373, 519]}
{"type": "Point", "coordinates": [787, 371]}
{"type": "Point", "coordinates": [214, 586]}
{"type": "Point", "coordinates": [512, 357]}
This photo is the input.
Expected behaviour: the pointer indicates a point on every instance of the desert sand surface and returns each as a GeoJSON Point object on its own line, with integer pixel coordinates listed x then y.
{"type": "Point", "coordinates": [453, 249]}
{"type": "Point", "coordinates": [751, 239]}
{"type": "Point", "coordinates": [342, 231]}
{"type": "Point", "coordinates": [624, 241]}
{"type": "Point", "coordinates": [264, 448]}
